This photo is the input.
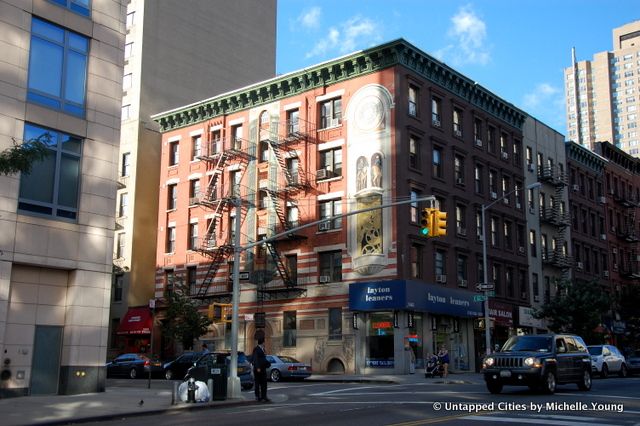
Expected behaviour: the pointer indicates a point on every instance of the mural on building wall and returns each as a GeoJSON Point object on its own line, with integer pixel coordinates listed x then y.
{"type": "Point", "coordinates": [369, 177]}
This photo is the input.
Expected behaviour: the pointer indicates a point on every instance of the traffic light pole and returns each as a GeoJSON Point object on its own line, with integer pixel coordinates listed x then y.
{"type": "Point", "coordinates": [233, 382]}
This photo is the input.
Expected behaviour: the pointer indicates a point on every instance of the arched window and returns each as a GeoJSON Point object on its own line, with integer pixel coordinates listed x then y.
{"type": "Point", "coordinates": [264, 118]}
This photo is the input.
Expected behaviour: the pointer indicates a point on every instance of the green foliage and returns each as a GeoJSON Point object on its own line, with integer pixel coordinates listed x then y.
{"type": "Point", "coordinates": [578, 308]}
{"type": "Point", "coordinates": [20, 157]}
{"type": "Point", "coordinates": [628, 304]}
{"type": "Point", "coordinates": [183, 322]}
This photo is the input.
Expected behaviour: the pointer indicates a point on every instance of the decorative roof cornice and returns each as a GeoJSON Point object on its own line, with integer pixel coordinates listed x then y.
{"type": "Point", "coordinates": [584, 156]}
{"type": "Point", "coordinates": [619, 157]}
{"type": "Point", "coordinates": [397, 52]}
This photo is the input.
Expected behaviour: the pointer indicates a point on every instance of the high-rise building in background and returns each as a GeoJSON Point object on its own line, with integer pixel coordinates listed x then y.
{"type": "Point", "coordinates": [61, 81]}
{"type": "Point", "coordinates": [602, 95]}
{"type": "Point", "coordinates": [172, 56]}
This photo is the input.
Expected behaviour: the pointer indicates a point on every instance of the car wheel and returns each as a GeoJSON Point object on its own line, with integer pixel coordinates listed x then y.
{"type": "Point", "coordinates": [605, 371]}
{"type": "Point", "coordinates": [494, 387]}
{"type": "Point", "coordinates": [549, 382]}
{"type": "Point", "coordinates": [623, 371]}
{"type": "Point", "coordinates": [585, 383]}
{"type": "Point", "coordinates": [168, 375]}
{"type": "Point", "coordinates": [133, 373]}
{"type": "Point", "coordinates": [275, 375]}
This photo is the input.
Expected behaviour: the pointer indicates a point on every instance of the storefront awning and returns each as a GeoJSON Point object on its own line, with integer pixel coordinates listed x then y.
{"type": "Point", "coordinates": [136, 321]}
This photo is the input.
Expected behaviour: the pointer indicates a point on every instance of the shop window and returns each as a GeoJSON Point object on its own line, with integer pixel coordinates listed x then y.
{"type": "Point", "coordinates": [380, 345]}
{"type": "Point", "coordinates": [335, 323]}
{"type": "Point", "coordinates": [289, 330]}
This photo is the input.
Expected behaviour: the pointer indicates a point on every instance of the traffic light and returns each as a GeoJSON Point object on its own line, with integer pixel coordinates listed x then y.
{"type": "Point", "coordinates": [425, 222]}
{"type": "Point", "coordinates": [439, 223]}
{"type": "Point", "coordinates": [220, 312]}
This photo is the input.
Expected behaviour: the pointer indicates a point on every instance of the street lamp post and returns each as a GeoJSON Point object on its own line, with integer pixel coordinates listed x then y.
{"type": "Point", "coordinates": [487, 319]}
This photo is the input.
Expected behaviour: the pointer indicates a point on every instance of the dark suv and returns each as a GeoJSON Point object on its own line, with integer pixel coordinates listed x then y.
{"type": "Point", "coordinates": [203, 367]}
{"type": "Point", "coordinates": [540, 361]}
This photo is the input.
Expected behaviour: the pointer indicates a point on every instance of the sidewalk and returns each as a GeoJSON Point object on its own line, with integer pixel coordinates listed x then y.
{"type": "Point", "coordinates": [126, 401]}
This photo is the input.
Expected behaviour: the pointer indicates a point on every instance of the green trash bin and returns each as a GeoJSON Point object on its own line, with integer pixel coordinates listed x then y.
{"type": "Point", "coordinates": [218, 372]}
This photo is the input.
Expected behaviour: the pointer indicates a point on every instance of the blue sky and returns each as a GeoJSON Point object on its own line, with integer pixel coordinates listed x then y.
{"type": "Point", "coordinates": [515, 48]}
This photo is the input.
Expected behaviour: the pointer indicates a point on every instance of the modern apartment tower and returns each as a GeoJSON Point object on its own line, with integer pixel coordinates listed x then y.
{"type": "Point", "coordinates": [602, 95]}
{"type": "Point", "coordinates": [61, 80]}
{"type": "Point", "coordinates": [174, 52]}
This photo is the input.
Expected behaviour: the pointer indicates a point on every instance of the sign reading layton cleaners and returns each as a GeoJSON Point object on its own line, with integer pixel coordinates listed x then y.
{"type": "Point", "coordinates": [414, 296]}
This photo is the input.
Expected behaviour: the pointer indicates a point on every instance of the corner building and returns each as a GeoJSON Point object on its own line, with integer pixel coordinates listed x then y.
{"type": "Point", "coordinates": [357, 293]}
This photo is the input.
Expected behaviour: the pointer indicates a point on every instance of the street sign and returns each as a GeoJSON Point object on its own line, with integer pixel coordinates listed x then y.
{"type": "Point", "coordinates": [248, 317]}
{"type": "Point", "coordinates": [491, 293]}
{"type": "Point", "coordinates": [243, 276]}
{"type": "Point", "coordinates": [479, 298]}
{"type": "Point", "coordinates": [484, 286]}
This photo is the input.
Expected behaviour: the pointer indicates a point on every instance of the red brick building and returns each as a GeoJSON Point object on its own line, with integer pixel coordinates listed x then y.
{"type": "Point", "coordinates": [386, 124]}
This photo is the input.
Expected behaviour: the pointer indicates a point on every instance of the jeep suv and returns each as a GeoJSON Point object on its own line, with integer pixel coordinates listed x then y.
{"type": "Point", "coordinates": [540, 361]}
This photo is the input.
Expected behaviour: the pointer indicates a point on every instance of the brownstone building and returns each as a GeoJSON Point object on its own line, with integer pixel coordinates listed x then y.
{"type": "Point", "coordinates": [378, 126]}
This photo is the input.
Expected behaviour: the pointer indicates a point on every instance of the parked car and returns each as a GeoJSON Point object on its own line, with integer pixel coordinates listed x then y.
{"type": "Point", "coordinates": [607, 359]}
{"type": "Point", "coordinates": [134, 366]}
{"type": "Point", "coordinates": [177, 368]}
{"type": "Point", "coordinates": [633, 362]}
{"type": "Point", "coordinates": [540, 361]}
{"type": "Point", "coordinates": [202, 367]}
{"type": "Point", "coordinates": [285, 367]}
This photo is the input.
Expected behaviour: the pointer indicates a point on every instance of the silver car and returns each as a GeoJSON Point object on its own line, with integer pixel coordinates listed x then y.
{"type": "Point", "coordinates": [285, 367]}
{"type": "Point", "coordinates": [607, 359]}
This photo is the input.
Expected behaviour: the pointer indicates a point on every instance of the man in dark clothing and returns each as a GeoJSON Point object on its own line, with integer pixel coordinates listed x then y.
{"type": "Point", "coordinates": [260, 365]}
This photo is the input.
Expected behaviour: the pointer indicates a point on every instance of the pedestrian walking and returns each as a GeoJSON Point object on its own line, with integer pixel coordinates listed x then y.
{"type": "Point", "coordinates": [443, 356]}
{"type": "Point", "coordinates": [260, 365]}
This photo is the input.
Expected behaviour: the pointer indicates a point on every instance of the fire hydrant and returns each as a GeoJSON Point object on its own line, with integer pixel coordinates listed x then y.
{"type": "Point", "coordinates": [191, 390]}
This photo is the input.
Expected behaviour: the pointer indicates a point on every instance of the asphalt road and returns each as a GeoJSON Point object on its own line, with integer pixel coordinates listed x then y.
{"type": "Point", "coordinates": [612, 401]}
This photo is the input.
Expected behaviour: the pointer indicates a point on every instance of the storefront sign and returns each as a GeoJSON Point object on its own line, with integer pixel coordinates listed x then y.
{"type": "Point", "coordinates": [526, 318]}
{"type": "Point", "coordinates": [413, 296]}
{"type": "Point", "coordinates": [381, 324]}
{"type": "Point", "coordinates": [379, 363]}
{"type": "Point", "coordinates": [501, 313]}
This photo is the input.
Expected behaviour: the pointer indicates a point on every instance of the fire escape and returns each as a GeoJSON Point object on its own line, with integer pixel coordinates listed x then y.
{"type": "Point", "coordinates": [221, 200]}
{"type": "Point", "coordinates": [285, 182]}
{"type": "Point", "coordinates": [627, 233]}
{"type": "Point", "coordinates": [557, 216]}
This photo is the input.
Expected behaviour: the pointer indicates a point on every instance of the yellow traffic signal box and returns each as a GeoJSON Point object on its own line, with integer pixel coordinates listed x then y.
{"type": "Point", "coordinates": [439, 222]}
{"type": "Point", "coordinates": [426, 225]}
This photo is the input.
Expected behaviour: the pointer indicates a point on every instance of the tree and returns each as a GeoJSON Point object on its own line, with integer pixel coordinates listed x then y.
{"type": "Point", "coordinates": [577, 308]}
{"type": "Point", "coordinates": [21, 156]}
{"type": "Point", "coordinates": [628, 304]}
{"type": "Point", "coordinates": [183, 321]}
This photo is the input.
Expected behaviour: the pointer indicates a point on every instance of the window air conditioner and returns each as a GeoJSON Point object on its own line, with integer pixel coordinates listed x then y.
{"type": "Point", "coordinates": [603, 236]}
{"type": "Point", "coordinates": [602, 200]}
{"type": "Point", "coordinates": [493, 195]}
{"type": "Point", "coordinates": [521, 250]}
{"type": "Point", "coordinates": [441, 278]}
{"type": "Point", "coordinates": [615, 266]}
{"type": "Point", "coordinates": [505, 155]}
{"type": "Point", "coordinates": [605, 274]}
{"type": "Point", "coordinates": [324, 226]}
{"type": "Point", "coordinates": [536, 298]}
{"type": "Point", "coordinates": [460, 181]}
{"type": "Point", "coordinates": [575, 187]}
{"type": "Point", "coordinates": [518, 205]}
{"type": "Point", "coordinates": [324, 278]}
{"type": "Point", "coordinates": [458, 133]}
{"type": "Point", "coordinates": [462, 231]}
{"type": "Point", "coordinates": [436, 123]}
{"type": "Point", "coordinates": [479, 142]}
{"type": "Point", "coordinates": [530, 167]}
{"type": "Point", "coordinates": [322, 174]}
{"type": "Point", "coordinates": [579, 265]}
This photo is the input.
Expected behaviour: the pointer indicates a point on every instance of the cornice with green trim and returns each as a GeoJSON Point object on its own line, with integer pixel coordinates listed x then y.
{"type": "Point", "coordinates": [398, 52]}
{"type": "Point", "coordinates": [617, 156]}
{"type": "Point", "coordinates": [584, 156]}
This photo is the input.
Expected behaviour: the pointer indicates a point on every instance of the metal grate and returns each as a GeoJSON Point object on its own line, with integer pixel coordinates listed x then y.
{"type": "Point", "coordinates": [509, 362]}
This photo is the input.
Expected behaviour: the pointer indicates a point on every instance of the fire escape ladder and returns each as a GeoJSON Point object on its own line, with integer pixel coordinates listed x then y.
{"type": "Point", "coordinates": [280, 266]}
{"type": "Point", "coordinates": [217, 256]}
{"type": "Point", "coordinates": [277, 206]}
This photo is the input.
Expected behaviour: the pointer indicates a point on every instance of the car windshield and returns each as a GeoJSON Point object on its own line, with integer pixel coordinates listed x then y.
{"type": "Point", "coordinates": [595, 350]}
{"type": "Point", "coordinates": [528, 344]}
{"type": "Point", "coordinates": [288, 359]}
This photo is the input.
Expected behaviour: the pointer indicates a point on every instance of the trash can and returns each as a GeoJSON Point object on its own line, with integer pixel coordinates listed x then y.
{"type": "Point", "coordinates": [218, 372]}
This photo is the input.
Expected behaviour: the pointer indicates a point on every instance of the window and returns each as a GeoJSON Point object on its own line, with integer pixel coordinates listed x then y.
{"type": "Point", "coordinates": [461, 220]}
{"type": "Point", "coordinates": [504, 146]}
{"type": "Point", "coordinates": [126, 112]}
{"type": "Point", "coordinates": [413, 207]}
{"type": "Point", "coordinates": [496, 274]}
{"type": "Point", "coordinates": [125, 169]}
{"type": "Point", "coordinates": [331, 161]}
{"type": "Point", "coordinates": [292, 267]}
{"type": "Point", "coordinates": [174, 153]}
{"type": "Point", "coordinates": [529, 158]}
{"type": "Point", "coordinates": [118, 284]}
{"type": "Point", "coordinates": [124, 202]}
{"type": "Point", "coordinates": [493, 184]}
{"type": "Point", "coordinates": [191, 280]}
{"type": "Point", "coordinates": [461, 270]}
{"type": "Point", "coordinates": [506, 189]}
{"type": "Point", "coordinates": [458, 169]}
{"type": "Point", "coordinates": [435, 111]}
{"type": "Point", "coordinates": [293, 215]}
{"type": "Point", "coordinates": [479, 224]}
{"type": "Point", "coordinates": [57, 67]}
{"type": "Point", "coordinates": [263, 151]}
{"type": "Point", "coordinates": [172, 196]}
{"type": "Point", "coordinates": [536, 286]}
{"type": "Point", "coordinates": [331, 113]}
{"type": "Point", "coordinates": [477, 131]}
{"type": "Point", "coordinates": [437, 162]}
{"type": "Point", "coordinates": [457, 122]}
{"type": "Point", "coordinates": [127, 81]}
{"type": "Point", "coordinates": [508, 275]}
{"type": "Point", "coordinates": [491, 139]}
{"type": "Point", "coordinates": [335, 323]}
{"type": "Point", "coordinates": [263, 199]}
{"type": "Point", "coordinates": [293, 166]}
{"type": "Point", "coordinates": [236, 137]}
{"type": "Point", "coordinates": [194, 191]}
{"type": "Point", "coordinates": [78, 6]}
{"type": "Point", "coordinates": [196, 147]}
{"type": "Point", "coordinates": [517, 152]}
{"type": "Point", "coordinates": [329, 209]}
{"type": "Point", "coordinates": [414, 153]}
{"type": "Point", "coordinates": [264, 118]}
{"type": "Point", "coordinates": [416, 261]}
{"type": "Point", "coordinates": [413, 101]}
{"type": "Point", "coordinates": [494, 232]}
{"type": "Point", "coordinates": [508, 235]}
{"type": "Point", "coordinates": [171, 239]}
{"type": "Point", "coordinates": [121, 245]}
{"type": "Point", "coordinates": [440, 266]}
{"type": "Point", "coordinates": [130, 19]}
{"type": "Point", "coordinates": [477, 176]}
{"type": "Point", "coordinates": [169, 279]}
{"type": "Point", "coordinates": [128, 50]}
{"type": "Point", "coordinates": [532, 243]}
{"type": "Point", "coordinates": [234, 178]}
{"type": "Point", "coordinates": [293, 121]}
{"type": "Point", "coordinates": [51, 188]}
{"type": "Point", "coordinates": [331, 265]}
{"type": "Point", "coordinates": [193, 236]}
{"type": "Point", "coordinates": [289, 332]}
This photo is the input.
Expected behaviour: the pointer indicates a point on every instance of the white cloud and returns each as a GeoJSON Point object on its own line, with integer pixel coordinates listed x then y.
{"type": "Point", "coordinates": [311, 18]}
{"type": "Point", "coordinates": [347, 37]}
{"type": "Point", "coordinates": [546, 103]}
{"type": "Point", "coordinates": [469, 34]}
{"type": "Point", "coordinates": [542, 93]}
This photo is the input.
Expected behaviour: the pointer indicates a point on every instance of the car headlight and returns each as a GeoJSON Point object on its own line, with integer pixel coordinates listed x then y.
{"type": "Point", "coordinates": [532, 362]}
{"type": "Point", "coordinates": [488, 362]}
